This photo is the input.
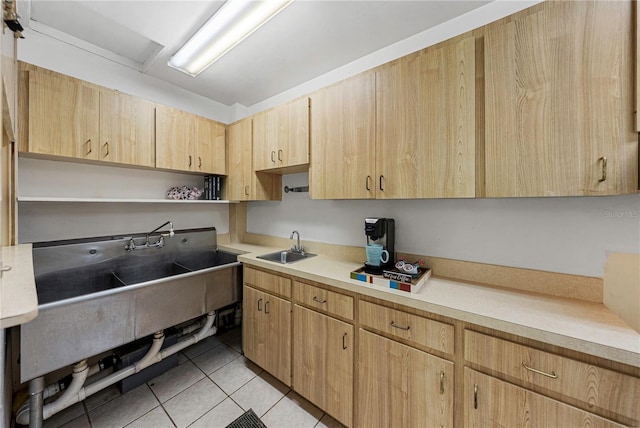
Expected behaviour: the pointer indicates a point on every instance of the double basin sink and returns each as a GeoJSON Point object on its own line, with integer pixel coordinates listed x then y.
{"type": "Point", "coordinates": [94, 295]}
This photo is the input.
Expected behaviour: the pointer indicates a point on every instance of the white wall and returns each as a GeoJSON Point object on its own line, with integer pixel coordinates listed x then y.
{"type": "Point", "coordinates": [48, 221]}
{"type": "Point", "coordinates": [46, 52]}
{"type": "Point", "coordinates": [567, 235]}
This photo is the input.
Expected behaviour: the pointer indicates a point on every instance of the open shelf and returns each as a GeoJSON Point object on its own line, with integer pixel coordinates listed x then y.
{"type": "Point", "coordinates": [121, 200]}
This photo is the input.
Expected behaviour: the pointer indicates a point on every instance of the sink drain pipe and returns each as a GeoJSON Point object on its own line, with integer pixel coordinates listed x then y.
{"type": "Point", "coordinates": [33, 413]}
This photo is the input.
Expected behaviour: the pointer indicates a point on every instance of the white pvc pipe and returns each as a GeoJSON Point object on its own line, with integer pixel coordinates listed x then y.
{"type": "Point", "coordinates": [76, 393]}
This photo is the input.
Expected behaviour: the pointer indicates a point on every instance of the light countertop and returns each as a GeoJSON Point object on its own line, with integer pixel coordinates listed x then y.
{"type": "Point", "coordinates": [585, 327]}
{"type": "Point", "coordinates": [18, 297]}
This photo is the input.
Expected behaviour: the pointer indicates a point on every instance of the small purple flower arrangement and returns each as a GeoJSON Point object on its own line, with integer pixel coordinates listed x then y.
{"type": "Point", "coordinates": [184, 193]}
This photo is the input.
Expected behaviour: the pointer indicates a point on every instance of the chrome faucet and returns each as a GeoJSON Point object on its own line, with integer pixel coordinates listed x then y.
{"type": "Point", "coordinates": [297, 248]}
{"type": "Point", "coordinates": [131, 245]}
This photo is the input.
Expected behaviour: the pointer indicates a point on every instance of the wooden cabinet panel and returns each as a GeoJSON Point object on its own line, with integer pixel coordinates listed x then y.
{"type": "Point", "coordinates": [266, 332]}
{"type": "Point", "coordinates": [188, 142]}
{"type": "Point", "coordinates": [557, 102]}
{"type": "Point", "coordinates": [281, 136]}
{"type": "Point", "coordinates": [399, 386]}
{"type": "Point", "coordinates": [425, 124]}
{"type": "Point", "coordinates": [490, 402]}
{"type": "Point", "coordinates": [127, 129]}
{"type": "Point", "coordinates": [172, 139]}
{"type": "Point", "coordinates": [243, 184]}
{"type": "Point", "coordinates": [268, 281]}
{"type": "Point", "coordinates": [324, 300]}
{"type": "Point", "coordinates": [208, 146]}
{"type": "Point", "coordinates": [419, 330]}
{"type": "Point", "coordinates": [343, 140]}
{"type": "Point", "coordinates": [323, 362]}
{"type": "Point", "coordinates": [595, 387]}
{"type": "Point", "coordinates": [63, 116]}
{"type": "Point", "coordinates": [637, 69]}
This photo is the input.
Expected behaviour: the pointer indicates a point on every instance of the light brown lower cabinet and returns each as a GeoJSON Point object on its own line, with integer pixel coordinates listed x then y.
{"type": "Point", "coordinates": [266, 332]}
{"type": "Point", "coordinates": [491, 402]}
{"type": "Point", "coordinates": [323, 362]}
{"type": "Point", "coordinates": [400, 386]}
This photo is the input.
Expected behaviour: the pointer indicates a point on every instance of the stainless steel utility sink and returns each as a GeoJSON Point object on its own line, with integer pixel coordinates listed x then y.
{"type": "Point", "coordinates": [94, 295]}
{"type": "Point", "coordinates": [290, 256]}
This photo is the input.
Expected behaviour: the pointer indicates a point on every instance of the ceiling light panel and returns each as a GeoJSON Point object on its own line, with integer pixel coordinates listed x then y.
{"type": "Point", "coordinates": [232, 23]}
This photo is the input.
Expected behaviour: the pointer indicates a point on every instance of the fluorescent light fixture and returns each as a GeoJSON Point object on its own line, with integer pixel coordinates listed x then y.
{"type": "Point", "coordinates": [230, 25]}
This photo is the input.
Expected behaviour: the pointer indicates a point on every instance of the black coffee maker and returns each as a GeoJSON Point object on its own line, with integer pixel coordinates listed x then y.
{"type": "Point", "coordinates": [381, 231]}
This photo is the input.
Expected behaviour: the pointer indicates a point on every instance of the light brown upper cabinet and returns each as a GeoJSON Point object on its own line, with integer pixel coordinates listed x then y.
{"type": "Point", "coordinates": [558, 101]}
{"type": "Point", "coordinates": [243, 184]}
{"type": "Point", "coordinates": [343, 140]}
{"type": "Point", "coordinates": [637, 65]}
{"type": "Point", "coordinates": [188, 142]}
{"type": "Point", "coordinates": [59, 115]}
{"type": "Point", "coordinates": [425, 123]}
{"type": "Point", "coordinates": [127, 126]}
{"type": "Point", "coordinates": [281, 138]}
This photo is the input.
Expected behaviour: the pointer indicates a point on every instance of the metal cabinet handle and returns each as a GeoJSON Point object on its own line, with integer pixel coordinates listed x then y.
{"type": "Point", "coordinates": [246, 190]}
{"type": "Point", "coordinates": [199, 162]}
{"type": "Point", "coordinates": [107, 146]}
{"type": "Point", "coordinates": [475, 396]}
{"type": "Point", "coordinates": [266, 307]}
{"type": "Point", "coordinates": [393, 324]}
{"type": "Point", "coordinates": [553, 375]}
{"type": "Point", "coordinates": [367, 185]}
{"type": "Point", "coordinates": [381, 178]}
{"type": "Point", "coordinates": [280, 155]}
{"type": "Point", "coordinates": [442, 382]}
{"type": "Point", "coordinates": [344, 341]}
{"type": "Point", "coordinates": [89, 144]}
{"type": "Point", "coordinates": [315, 299]}
{"type": "Point", "coordinates": [189, 160]}
{"type": "Point", "coordinates": [603, 177]}
{"type": "Point", "coordinates": [259, 308]}
{"type": "Point", "coordinates": [273, 156]}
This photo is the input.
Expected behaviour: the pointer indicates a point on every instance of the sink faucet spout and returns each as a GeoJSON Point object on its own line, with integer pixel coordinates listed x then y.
{"type": "Point", "coordinates": [296, 248]}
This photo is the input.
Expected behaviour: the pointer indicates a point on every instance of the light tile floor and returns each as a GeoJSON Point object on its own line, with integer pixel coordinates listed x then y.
{"type": "Point", "coordinates": [212, 385]}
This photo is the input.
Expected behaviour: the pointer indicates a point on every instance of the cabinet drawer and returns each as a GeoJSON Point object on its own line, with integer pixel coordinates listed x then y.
{"type": "Point", "coordinates": [597, 388]}
{"type": "Point", "coordinates": [324, 300]}
{"type": "Point", "coordinates": [422, 331]}
{"type": "Point", "coordinates": [267, 281]}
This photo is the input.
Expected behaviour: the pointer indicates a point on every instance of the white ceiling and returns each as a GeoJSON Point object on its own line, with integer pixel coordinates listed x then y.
{"type": "Point", "coordinates": [306, 40]}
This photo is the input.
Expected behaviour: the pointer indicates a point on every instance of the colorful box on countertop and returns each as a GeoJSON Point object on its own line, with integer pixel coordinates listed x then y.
{"type": "Point", "coordinates": [393, 279]}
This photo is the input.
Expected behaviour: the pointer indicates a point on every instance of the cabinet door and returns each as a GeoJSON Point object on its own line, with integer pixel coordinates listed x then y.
{"type": "Point", "coordinates": [208, 146]}
{"type": "Point", "coordinates": [490, 402]}
{"type": "Point", "coordinates": [293, 138]}
{"type": "Point", "coordinates": [127, 129]}
{"type": "Point", "coordinates": [426, 124]}
{"type": "Point", "coordinates": [558, 102]}
{"type": "Point", "coordinates": [343, 140]}
{"type": "Point", "coordinates": [637, 69]}
{"type": "Point", "coordinates": [239, 152]}
{"type": "Point", "coordinates": [253, 337]}
{"type": "Point", "coordinates": [173, 137]}
{"type": "Point", "coordinates": [399, 386]}
{"type": "Point", "coordinates": [63, 116]}
{"type": "Point", "coordinates": [265, 140]}
{"type": "Point", "coordinates": [243, 184]}
{"type": "Point", "coordinates": [267, 332]}
{"type": "Point", "coordinates": [281, 136]}
{"type": "Point", "coordinates": [323, 362]}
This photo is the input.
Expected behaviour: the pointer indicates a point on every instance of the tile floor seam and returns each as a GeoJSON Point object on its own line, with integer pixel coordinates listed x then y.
{"type": "Point", "coordinates": [162, 406]}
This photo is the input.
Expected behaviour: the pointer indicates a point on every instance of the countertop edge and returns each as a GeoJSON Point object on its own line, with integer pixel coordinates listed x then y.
{"type": "Point", "coordinates": [19, 299]}
{"type": "Point", "coordinates": [506, 324]}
